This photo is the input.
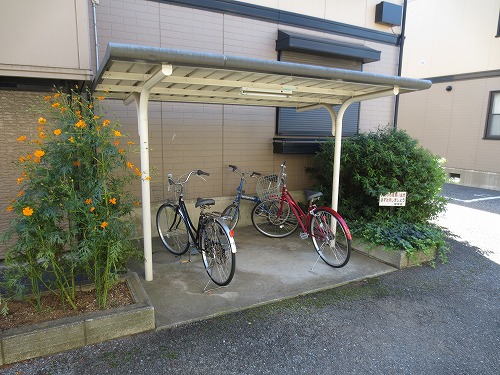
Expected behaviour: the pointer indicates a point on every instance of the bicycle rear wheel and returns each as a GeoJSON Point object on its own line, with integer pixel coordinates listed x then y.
{"type": "Point", "coordinates": [231, 215]}
{"type": "Point", "coordinates": [330, 237]}
{"type": "Point", "coordinates": [266, 220]}
{"type": "Point", "coordinates": [172, 229]}
{"type": "Point", "coordinates": [218, 252]}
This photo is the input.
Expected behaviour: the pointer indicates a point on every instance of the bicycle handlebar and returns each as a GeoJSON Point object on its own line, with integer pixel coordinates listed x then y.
{"type": "Point", "coordinates": [239, 171]}
{"type": "Point", "coordinates": [180, 181]}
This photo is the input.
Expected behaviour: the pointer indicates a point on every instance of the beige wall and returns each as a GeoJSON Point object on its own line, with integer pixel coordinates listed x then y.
{"type": "Point", "coordinates": [445, 37]}
{"type": "Point", "coordinates": [45, 39]}
{"type": "Point", "coordinates": [451, 124]}
{"type": "Point", "coordinates": [352, 12]}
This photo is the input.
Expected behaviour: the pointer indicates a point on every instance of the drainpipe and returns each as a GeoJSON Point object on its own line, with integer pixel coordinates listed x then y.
{"type": "Point", "coordinates": [400, 62]}
{"type": "Point", "coordinates": [94, 3]}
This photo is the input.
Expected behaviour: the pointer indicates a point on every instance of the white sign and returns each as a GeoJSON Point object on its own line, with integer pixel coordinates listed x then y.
{"type": "Point", "coordinates": [393, 199]}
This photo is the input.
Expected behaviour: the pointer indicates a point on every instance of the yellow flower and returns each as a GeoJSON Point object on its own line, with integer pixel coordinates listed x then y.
{"type": "Point", "coordinates": [42, 120]}
{"type": "Point", "coordinates": [88, 201]}
{"type": "Point", "coordinates": [104, 224]}
{"type": "Point", "coordinates": [117, 133]}
{"type": "Point", "coordinates": [21, 138]}
{"type": "Point", "coordinates": [112, 200]}
{"type": "Point", "coordinates": [105, 123]}
{"type": "Point", "coordinates": [71, 139]}
{"type": "Point", "coordinates": [27, 211]}
{"type": "Point", "coordinates": [57, 131]}
{"type": "Point", "coordinates": [130, 165]}
{"type": "Point", "coordinates": [81, 124]}
{"type": "Point", "coordinates": [97, 117]}
{"type": "Point", "coordinates": [90, 106]}
{"type": "Point", "coordinates": [10, 208]}
{"type": "Point", "coordinates": [39, 153]}
{"type": "Point", "coordinates": [55, 105]}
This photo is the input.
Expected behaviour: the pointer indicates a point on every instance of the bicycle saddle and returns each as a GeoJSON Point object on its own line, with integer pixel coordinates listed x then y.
{"type": "Point", "coordinates": [204, 202]}
{"type": "Point", "coordinates": [313, 194]}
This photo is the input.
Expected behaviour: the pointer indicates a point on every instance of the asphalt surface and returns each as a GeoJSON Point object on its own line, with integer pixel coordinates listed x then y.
{"type": "Point", "coordinates": [423, 320]}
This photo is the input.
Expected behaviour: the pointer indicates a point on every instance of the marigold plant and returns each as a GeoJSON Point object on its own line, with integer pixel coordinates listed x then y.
{"type": "Point", "coordinates": [72, 207]}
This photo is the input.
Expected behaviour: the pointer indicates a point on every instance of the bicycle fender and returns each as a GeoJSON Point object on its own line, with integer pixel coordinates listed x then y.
{"type": "Point", "coordinates": [228, 232]}
{"type": "Point", "coordinates": [337, 215]}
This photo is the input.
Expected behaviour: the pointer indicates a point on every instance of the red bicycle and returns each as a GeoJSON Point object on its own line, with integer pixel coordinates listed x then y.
{"type": "Point", "coordinates": [279, 215]}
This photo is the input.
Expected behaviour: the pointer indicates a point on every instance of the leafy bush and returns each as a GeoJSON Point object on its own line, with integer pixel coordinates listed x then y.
{"type": "Point", "coordinates": [377, 163]}
{"type": "Point", "coordinates": [72, 207]}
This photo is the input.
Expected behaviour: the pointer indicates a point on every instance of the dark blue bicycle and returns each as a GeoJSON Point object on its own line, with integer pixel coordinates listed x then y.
{"type": "Point", "coordinates": [231, 213]}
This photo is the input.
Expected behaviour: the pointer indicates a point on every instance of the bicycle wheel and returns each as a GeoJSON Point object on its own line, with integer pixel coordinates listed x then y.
{"type": "Point", "coordinates": [231, 215]}
{"type": "Point", "coordinates": [172, 229]}
{"type": "Point", "coordinates": [266, 220]}
{"type": "Point", "coordinates": [330, 237]}
{"type": "Point", "coordinates": [218, 252]}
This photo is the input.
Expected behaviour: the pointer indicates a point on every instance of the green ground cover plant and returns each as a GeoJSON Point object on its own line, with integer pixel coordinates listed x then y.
{"type": "Point", "coordinates": [70, 213]}
{"type": "Point", "coordinates": [381, 162]}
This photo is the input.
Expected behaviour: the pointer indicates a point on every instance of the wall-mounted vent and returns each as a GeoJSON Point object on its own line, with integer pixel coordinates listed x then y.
{"type": "Point", "coordinates": [388, 14]}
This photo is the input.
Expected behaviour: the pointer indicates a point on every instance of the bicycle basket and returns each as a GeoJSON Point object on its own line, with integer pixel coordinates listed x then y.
{"type": "Point", "coordinates": [268, 186]}
{"type": "Point", "coordinates": [173, 192]}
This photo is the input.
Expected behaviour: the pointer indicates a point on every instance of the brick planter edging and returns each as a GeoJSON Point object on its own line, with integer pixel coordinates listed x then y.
{"type": "Point", "coordinates": [47, 338]}
{"type": "Point", "coordinates": [396, 258]}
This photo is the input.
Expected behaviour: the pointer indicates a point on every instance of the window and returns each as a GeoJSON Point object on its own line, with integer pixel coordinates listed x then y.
{"type": "Point", "coordinates": [493, 121]}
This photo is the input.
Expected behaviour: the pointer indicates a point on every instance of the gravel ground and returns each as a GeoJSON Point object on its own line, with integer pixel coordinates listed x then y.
{"type": "Point", "coordinates": [414, 321]}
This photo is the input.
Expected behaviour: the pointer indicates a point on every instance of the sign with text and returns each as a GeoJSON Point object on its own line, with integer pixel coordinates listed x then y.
{"type": "Point", "coordinates": [393, 199]}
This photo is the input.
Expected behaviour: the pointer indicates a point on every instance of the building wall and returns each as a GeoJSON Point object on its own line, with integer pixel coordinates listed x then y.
{"type": "Point", "coordinates": [45, 39]}
{"type": "Point", "coordinates": [452, 123]}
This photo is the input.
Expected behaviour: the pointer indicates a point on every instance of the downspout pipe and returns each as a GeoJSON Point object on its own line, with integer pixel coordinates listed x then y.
{"type": "Point", "coordinates": [96, 44]}
{"type": "Point", "coordinates": [400, 62]}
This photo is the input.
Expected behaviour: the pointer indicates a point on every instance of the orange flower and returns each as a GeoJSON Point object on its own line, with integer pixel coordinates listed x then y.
{"type": "Point", "coordinates": [88, 201]}
{"type": "Point", "coordinates": [57, 131]}
{"type": "Point", "coordinates": [27, 211]}
{"type": "Point", "coordinates": [100, 97]}
{"type": "Point", "coordinates": [76, 163]}
{"type": "Point", "coordinates": [21, 138]}
{"type": "Point", "coordinates": [21, 193]}
{"type": "Point", "coordinates": [104, 224]}
{"type": "Point", "coordinates": [96, 117]}
{"type": "Point", "coordinates": [21, 159]}
{"type": "Point", "coordinates": [55, 105]}
{"type": "Point", "coordinates": [112, 200]}
{"type": "Point", "coordinates": [116, 143]}
{"type": "Point", "coordinates": [130, 165]}
{"type": "Point", "coordinates": [92, 209]}
{"type": "Point", "coordinates": [42, 120]}
{"type": "Point", "coordinates": [130, 142]}
{"type": "Point", "coordinates": [42, 135]}
{"type": "Point", "coordinates": [56, 95]}
{"type": "Point", "coordinates": [19, 180]}
{"type": "Point", "coordinates": [39, 153]}
{"type": "Point", "coordinates": [148, 178]}
{"type": "Point", "coordinates": [81, 124]}
{"type": "Point", "coordinates": [138, 172]}
{"type": "Point", "coordinates": [117, 133]}
{"type": "Point", "coordinates": [47, 97]}
{"type": "Point", "coordinates": [10, 208]}
{"type": "Point", "coordinates": [90, 106]}
{"type": "Point", "coordinates": [40, 129]}
{"type": "Point", "coordinates": [121, 151]}
{"type": "Point", "coordinates": [106, 123]}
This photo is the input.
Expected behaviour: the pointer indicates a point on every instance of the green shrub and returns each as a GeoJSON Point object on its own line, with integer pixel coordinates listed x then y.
{"type": "Point", "coordinates": [377, 163]}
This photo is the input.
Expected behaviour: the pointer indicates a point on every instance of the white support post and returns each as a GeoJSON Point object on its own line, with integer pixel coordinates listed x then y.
{"type": "Point", "coordinates": [337, 132]}
{"type": "Point", "coordinates": [141, 101]}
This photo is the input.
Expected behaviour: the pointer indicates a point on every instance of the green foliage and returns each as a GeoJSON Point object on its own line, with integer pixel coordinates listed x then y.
{"type": "Point", "coordinates": [72, 207]}
{"type": "Point", "coordinates": [377, 163]}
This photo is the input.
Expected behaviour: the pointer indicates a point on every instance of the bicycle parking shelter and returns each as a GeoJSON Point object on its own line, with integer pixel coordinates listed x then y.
{"type": "Point", "coordinates": [139, 74]}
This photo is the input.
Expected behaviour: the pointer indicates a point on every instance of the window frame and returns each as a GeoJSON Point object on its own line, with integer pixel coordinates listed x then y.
{"type": "Point", "coordinates": [487, 134]}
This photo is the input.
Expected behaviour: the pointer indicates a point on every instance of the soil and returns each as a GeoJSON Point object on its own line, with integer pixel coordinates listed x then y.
{"type": "Point", "coordinates": [22, 313]}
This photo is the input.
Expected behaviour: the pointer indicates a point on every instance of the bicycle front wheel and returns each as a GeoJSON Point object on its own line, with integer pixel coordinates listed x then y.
{"type": "Point", "coordinates": [231, 215]}
{"type": "Point", "coordinates": [218, 252]}
{"type": "Point", "coordinates": [330, 237]}
{"type": "Point", "coordinates": [172, 229]}
{"type": "Point", "coordinates": [267, 220]}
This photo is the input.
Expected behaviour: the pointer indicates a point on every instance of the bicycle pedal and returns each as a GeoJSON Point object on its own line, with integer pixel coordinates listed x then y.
{"type": "Point", "coordinates": [303, 235]}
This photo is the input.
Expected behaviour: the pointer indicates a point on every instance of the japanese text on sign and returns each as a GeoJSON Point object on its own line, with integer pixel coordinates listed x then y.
{"type": "Point", "coordinates": [393, 199]}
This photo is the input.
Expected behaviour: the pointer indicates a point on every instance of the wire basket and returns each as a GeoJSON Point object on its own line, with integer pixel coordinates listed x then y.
{"type": "Point", "coordinates": [268, 186]}
{"type": "Point", "coordinates": [173, 192]}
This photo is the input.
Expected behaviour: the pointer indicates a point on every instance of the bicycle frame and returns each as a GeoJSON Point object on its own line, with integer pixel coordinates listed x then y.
{"type": "Point", "coordinates": [301, 216]}
{"type": "Point", "coordinates": [183, 212]}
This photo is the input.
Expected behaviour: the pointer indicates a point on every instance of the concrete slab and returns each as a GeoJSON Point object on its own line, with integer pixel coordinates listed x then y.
{"type": "Point", "coordinates": [267, 269]}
